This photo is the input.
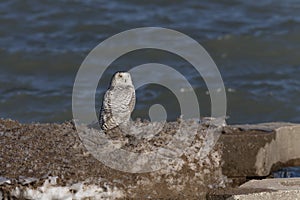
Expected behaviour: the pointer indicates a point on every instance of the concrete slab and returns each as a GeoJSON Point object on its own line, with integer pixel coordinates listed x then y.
{"type": "Point", "coordinates": [278, 195]}
{"type": "Point", "coordinates": [253, 150]}
{"type": "Point", "coordinates": [274, 184]}
{"type": "Point", "coordinates": [284, 188]}
{"type": "Point", "coordinates": [266, 189]}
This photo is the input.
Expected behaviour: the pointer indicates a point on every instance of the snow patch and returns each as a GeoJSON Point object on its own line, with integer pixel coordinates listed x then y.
{"type": "Point", "coordinates": [50, 190]}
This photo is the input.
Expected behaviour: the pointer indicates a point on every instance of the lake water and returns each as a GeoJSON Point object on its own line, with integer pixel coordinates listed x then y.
{"type": "Point", "coordinates": [255, 45]}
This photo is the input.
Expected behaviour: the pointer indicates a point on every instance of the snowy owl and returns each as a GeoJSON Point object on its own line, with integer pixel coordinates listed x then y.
{"type": "Point", "coordinates": [118, 102]}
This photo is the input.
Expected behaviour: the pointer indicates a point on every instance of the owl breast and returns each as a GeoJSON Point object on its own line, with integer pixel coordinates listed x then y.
{"type": "Point", "coordinates": [117, 106]}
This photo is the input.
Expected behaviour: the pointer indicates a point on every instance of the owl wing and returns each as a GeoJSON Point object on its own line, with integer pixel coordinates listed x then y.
{"type": "Point", "coordinates": [117, 106]}
{"type": "Point", "coordinates": [105, 112]}
{"type": "Point", "coordinates": [132, 101]}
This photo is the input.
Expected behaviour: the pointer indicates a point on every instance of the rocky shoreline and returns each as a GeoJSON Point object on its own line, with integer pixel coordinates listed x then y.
{"type": "Point", "coordinates": [40, 161]}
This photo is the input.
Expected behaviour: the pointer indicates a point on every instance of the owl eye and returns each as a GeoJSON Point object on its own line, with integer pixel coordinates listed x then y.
{"type": "Point", "coordinates": [120, 75]}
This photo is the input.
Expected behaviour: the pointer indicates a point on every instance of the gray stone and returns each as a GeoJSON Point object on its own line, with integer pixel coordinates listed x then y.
{"type": "Point", "coordinates": [252, 150]}
{"type": "Point", "coordinates": [242, 152]}
{"type": "Point", "coordinates": [287, 189]}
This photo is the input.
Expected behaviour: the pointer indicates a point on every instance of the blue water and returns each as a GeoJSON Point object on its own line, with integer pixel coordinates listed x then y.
{"type": "Point", "coordinates": [254, 44]}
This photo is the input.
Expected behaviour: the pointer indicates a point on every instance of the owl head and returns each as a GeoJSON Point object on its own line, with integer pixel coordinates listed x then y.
{"type": "Point", "coordinates": [121, 78]}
